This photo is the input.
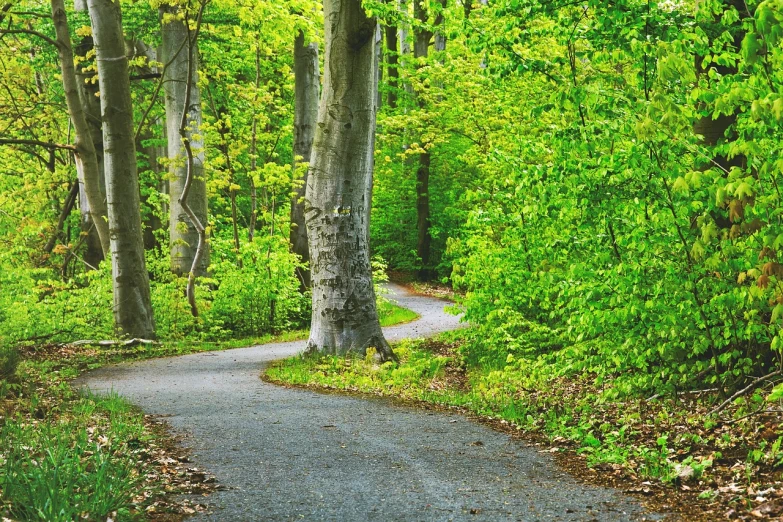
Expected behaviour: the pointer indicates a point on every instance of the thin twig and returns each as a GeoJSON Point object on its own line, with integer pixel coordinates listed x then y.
{"type": "Point", "coordinates": [745, 390]}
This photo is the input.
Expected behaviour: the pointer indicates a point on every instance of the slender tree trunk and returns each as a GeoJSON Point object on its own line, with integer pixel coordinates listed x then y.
{"type": "Point", "coordinates": [424, 238]}
{"type": "Point", "coordinates": [86, 158]}
{"type": "Point", "coordinates": [392, 64]}
{"type": "Point", "coordinates": [306, 81]}
{"type": "Point", "coordinates": [184, 236]}
{"type": "Point", "coordinates": [344, 318]}
{"type": "Point", "coordinates": [91, 104]}
{"type": "Point", "coordinates": [251, 228]}
{"type": "Point", "coordinates": [132, 304]}
{"type": "Point", "coordinates": [440, 37]}
{"type": "Point", "coordinates": [379, 61]}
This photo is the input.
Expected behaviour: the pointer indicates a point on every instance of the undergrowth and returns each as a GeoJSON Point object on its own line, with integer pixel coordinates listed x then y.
{"type": "Point", "coordinates": [671, 440]}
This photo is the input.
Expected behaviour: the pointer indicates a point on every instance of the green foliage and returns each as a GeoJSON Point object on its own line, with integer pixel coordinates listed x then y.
{"type": "Point", "coordinates": [77, 464]}
{"type": "Point", "coordinates": [581, 197]}
{"type": "Point", "coordinates": [57, 474]}
{"type": "Point", "coordinates": [408, 379]}
{"type": "Point", "coordinates": [9, 361]}
{"type": "Point", "coordinates": [262, 294]}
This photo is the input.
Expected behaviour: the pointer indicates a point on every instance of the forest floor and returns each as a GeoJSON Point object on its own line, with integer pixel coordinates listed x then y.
{"type": "Point", "coordinates": [282, 453]}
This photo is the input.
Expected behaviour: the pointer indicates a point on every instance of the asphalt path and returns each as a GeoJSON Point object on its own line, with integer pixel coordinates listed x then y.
{"type": "Point", "coordinates": [289, 454]}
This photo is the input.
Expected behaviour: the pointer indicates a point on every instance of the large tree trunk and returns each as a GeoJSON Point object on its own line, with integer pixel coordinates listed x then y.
{"type": "Point", "coordinates": [132, 306]}
{"type": "Point", "coordinates": [345, 318]}
{"type": "Point", "coordinates": [306, 82]}
{"type": "Point", "coordinates": [424, 238]}
{"type": "Point", "coordinates": [89, 171]}
{"type": "Point", "coordinates": [184, 236]}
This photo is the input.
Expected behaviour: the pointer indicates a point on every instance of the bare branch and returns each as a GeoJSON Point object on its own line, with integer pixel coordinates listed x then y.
{"type": "Point", "coordinates": [47, 145]}
{"type": "Point", "coordinates": [30, 32]}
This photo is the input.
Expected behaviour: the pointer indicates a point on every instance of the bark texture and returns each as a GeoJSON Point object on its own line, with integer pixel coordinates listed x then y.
{"type": "Point", "coordinates": [307, 86]}
{"type": "Point", "coordinates": [132, 306]}
{"type": "Point", "coordinates": [392, 64]}
{"type": "Point", "coordinates": [88, 168]}
{"type": "Point", "coordinates": [344, 318]}
{"type": "Point", "coordinates": [91, 104]}
{"type": "Point", "coordinates": [175, 47]}
{"type": "Point", "coordinates": [424, 238]}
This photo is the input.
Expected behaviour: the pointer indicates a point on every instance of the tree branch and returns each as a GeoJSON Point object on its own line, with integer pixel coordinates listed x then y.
{"type": "Point", "coordinates": [30, 32]}
{"type": "Point", "coordinates": [47, 145]}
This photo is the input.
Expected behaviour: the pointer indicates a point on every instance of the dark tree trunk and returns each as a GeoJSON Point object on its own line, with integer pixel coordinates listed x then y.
{"type": "Point", "coordinates": [424, 242]}
{"type": "Point", "coordinates": [307, 86]}
{"type": "Point", "coordinates": [392, 64]}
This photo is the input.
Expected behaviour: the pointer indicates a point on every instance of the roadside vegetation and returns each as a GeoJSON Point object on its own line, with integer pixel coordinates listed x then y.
{"type": "Point", "coordinates": [68, 456]}
{"type": "Point", "coordinates": [666, 448]}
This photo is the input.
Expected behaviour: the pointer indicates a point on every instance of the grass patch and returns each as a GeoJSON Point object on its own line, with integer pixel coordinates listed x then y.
{"type": "Point", "coordinates": [66, 456]}
{"type": "Point", "coordinates": [671, 442]}
{"type": "Point", "coordinates": [391, 314]}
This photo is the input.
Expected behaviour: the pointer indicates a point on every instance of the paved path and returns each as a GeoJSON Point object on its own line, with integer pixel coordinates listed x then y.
{"type": "Point", "coordinates": [288, 454]}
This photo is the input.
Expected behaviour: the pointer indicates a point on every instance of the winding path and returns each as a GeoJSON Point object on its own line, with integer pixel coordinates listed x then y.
{"type": "Point", "coordinates": [287, 454]}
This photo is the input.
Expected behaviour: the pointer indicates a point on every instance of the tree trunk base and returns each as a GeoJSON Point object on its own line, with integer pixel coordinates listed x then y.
{"type": "Point", "coordinates": [347, 342]}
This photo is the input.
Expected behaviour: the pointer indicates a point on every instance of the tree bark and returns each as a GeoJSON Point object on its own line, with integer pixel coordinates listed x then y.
{"type": "Point", "coordinates": [344, 318]}
{"type": "Point", "coordinates": [91, 104]}
{"type": "Point", "coordinates": [307, 87]}
{"type": "Point", "coordinates": [424, 238]}
{"type": "Point", "coordinates": [392, 64]}
{"type": "Point", "coordinates": [89, 170]}
{"type": "Point", "coordinates": [132, 305]}
{"type": "Point", "coordinates": [182, 231]}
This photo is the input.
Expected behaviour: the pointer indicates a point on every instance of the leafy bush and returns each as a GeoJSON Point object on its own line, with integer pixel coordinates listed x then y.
{"type": "Point", "coordinates": [258, 291]}
{"type": "Point", "coordinates": [253, 293]}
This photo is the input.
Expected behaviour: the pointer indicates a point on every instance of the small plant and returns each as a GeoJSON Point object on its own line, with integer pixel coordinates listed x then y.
{"type": "Point", "coordinates": [9, 361]}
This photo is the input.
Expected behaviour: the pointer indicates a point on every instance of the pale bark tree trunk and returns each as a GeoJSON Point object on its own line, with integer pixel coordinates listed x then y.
{"type": "Point", "coordinates": [132, 305]}
{"type": "Point", "coordinates": [183, 233]}
{"type": "Point", "coordinates": [379, 61]}
{"type": "Point", "coordinates": [440, 37]}
{"type": "Point", "coordinates": [345, 318]}
{"type": "Point", "coordinates": [88, 168]}
{"type": "Point", "coordinates": [307, 86]}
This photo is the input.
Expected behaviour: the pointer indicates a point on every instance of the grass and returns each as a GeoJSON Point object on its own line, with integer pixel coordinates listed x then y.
{"type": "Point", "coordinates": [391, 314]}
{"type": "Point", "coordinates": [671, 442]}
{"type": "Point", "coordinates": [67, 456]}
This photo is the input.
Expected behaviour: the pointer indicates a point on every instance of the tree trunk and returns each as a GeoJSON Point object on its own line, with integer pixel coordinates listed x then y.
{"type": "Point", "coordinates": [392, 64]}
{"type": "Point", "coordinates": [306, 81]}
{"type": "Point", "coordinates": [379, 61]}
{"type": "Point", "coordinates": [183, 233]}
{"type": "Point", "coordinates": [86, 157]}
{"type": "Point", "coordinates": [344, 318]}
{"type": "Point", "coordinates": [424, 241]}
{"type": "Point", "coordinates": [132, 306]}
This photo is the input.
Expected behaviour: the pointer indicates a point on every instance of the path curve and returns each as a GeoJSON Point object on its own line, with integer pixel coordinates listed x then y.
{"type": "Point", "coordinates": [288, 454]}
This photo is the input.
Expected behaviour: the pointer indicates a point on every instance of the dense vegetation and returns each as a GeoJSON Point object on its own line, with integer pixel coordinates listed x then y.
{"type": "Point", "coordinates": [599, 181]}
